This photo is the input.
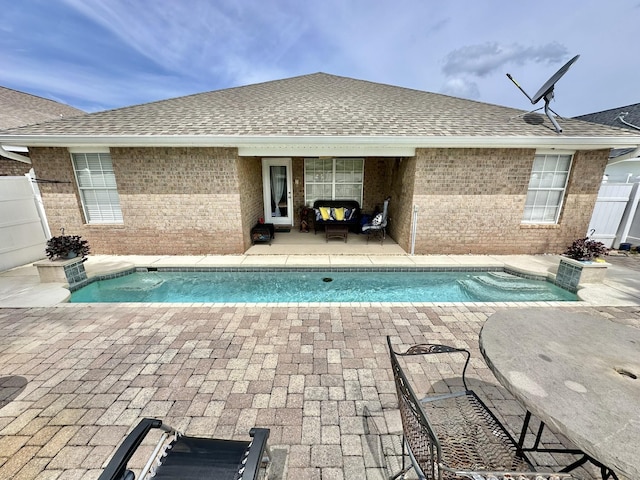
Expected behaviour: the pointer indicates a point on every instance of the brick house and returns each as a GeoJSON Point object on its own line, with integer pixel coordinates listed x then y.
{"type": "Point", "coordinates": [192, 175]}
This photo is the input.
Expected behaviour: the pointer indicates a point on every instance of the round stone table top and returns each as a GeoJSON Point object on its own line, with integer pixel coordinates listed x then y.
{"type": "Point", "coordinates": [577, 373]}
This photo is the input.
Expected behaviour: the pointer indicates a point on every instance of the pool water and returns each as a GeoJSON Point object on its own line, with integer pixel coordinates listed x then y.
{"type": "Point", "coordinates": [320, 286]}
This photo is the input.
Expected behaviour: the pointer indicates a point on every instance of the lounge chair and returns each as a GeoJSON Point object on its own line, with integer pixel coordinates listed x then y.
{"type": "Point", "coordinates": [378, 225]}
{"type": "Point", "coordinates": [179, 457]}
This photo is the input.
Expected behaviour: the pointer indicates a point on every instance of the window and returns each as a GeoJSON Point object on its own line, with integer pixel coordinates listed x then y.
{"type": "Point", "coordinates": [333, 179]}
{"type": "Point", "coordinates": [97, 186]}
{"type": "Point", "coordinates": [547, 186]}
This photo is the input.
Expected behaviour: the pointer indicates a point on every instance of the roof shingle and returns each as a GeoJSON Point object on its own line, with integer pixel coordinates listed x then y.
{"type": "Point", "coordinates": [19, 108]}
{"type": "Point", "coordinates": [316, 105]}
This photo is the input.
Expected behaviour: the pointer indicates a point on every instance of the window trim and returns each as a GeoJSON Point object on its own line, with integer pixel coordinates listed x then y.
{"type": "Point", "coordinates": [333, 182]}
{"type": "Point", "coordinates": [563, 190]}
{"type": "Point", "coordinates": [81, 190]}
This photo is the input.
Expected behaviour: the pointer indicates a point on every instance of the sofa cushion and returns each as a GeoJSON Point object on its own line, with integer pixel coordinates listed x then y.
{"type": "Point", "coordinates": [325, 213]}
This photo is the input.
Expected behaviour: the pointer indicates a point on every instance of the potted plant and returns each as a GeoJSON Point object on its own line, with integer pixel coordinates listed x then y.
{"type": "Point", "coordinates": [582, 264]}
{"type": "Point", "coordinates": [586, 250]}
{"type": "Point", "coordinates": [64, 247]}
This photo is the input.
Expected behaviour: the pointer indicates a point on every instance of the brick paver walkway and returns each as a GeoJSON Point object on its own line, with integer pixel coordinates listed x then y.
{"type": "Point", "coordinates": [75, 379]}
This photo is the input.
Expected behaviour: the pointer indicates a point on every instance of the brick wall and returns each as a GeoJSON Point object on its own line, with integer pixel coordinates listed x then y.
{"type": "Point", "coordinates": [13, 168]}
{"type": "Point", "coordinates": [175, 201]}
{"type": "Point", "coordinates": [61, 203]}
{"type": "Point", "coordinates": [205, 200]}
{"type": "Point", "coordinates": [251, 197]}
{"type": "Point", "coordinates": [377, 182]}
{"type": "Point", "coordinates": [401, 205]}
{"type": "Point", "coordinates": [471, 201]}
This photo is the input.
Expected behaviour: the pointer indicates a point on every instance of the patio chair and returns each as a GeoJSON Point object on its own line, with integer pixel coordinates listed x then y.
{"type": "Point", "coordinates": [454, 435]}
{"type": "Point", "coordinates": [178, 456]}
{"type": "Point", "coordinates": [378, 225]}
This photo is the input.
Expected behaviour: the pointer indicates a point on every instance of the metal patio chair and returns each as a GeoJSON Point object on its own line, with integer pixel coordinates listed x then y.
{"type": "Point", "coordinates": [179, 457]}
{"type": "Point", "coordinates": [454, 435]}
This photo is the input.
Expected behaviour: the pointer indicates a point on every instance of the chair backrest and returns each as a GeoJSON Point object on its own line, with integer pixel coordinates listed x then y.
{"type": "Point", "coordinates": [420, 436]}
{"type": "Point", "coordinates": [385, 211]}
{"type": "Point", "coordinates": [434, 348]}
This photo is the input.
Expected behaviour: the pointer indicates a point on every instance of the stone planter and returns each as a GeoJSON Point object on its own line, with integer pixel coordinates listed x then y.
{"type": "Point", "coordinates": [62, 271]}
{"type": "Point", "coordinates": [572, 273]}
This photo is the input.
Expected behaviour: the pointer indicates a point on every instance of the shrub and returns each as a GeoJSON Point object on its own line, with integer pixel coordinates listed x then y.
{"type": "Point", "coordinates": [66, 246]}
{"type": "Point", "coordinates": [586, 249]}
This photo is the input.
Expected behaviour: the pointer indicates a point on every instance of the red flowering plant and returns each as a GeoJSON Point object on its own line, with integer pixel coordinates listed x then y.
{"type": "Point", "coordinates": [66, 246]}
{"type": "Point", "coordinates": [586, 249]}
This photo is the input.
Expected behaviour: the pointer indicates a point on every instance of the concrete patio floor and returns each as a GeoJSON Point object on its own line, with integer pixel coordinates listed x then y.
{"type": "Point", "coordinates": [76, 378]}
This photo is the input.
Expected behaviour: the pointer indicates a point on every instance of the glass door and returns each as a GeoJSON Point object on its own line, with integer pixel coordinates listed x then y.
{"type": "Point", "coordinates": [277, 191]}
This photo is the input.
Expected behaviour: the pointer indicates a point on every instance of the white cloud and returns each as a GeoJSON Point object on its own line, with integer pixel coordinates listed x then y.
{"type": "Point", "coordinates": [461, 87]}
{"type": "Point", "coordinates": [199, 37]}
{"type": "Point", "coordinates": [116, 52]}
{"type": "Point", "coordinates": [482, 60]}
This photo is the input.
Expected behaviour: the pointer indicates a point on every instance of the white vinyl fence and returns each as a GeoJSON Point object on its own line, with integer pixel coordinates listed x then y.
{"type": "Point", "coordinates": [629, 231]}
{"type": "Point", "coordinates": [23, 233]}
{"type": "Point", "coordinates": [607, 214]}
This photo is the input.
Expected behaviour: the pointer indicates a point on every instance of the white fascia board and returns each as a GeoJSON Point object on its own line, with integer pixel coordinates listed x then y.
{"type": "Point", "coordinates": [310, 144]}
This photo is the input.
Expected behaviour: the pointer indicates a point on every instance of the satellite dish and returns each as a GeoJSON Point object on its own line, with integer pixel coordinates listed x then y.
{"type": "Point", "coordinates": [546, 91]}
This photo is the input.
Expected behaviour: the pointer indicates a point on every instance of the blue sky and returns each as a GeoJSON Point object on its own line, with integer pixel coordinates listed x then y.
{"type": "Point", "coordinates": [103, 54]}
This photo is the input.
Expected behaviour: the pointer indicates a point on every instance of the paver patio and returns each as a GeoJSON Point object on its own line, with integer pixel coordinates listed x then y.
{"type": "Point", "coordinates": [76, 378]}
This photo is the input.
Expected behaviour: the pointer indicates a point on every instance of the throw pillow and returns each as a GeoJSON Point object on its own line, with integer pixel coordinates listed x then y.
{"type": "Point", "coordinates": [377, 220]}
{"type": "Point", "coordinates": [326, 213]}
{"type": "Point", "coordinates": [338, 214]}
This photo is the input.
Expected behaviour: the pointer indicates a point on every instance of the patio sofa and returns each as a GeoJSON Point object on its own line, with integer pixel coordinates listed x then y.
{"type": "Point", "coordinates": [336, 212]}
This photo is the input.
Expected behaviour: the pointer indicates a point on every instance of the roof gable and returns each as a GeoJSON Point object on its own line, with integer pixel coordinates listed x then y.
{"type": "Point", "coordinates": [316, 105]}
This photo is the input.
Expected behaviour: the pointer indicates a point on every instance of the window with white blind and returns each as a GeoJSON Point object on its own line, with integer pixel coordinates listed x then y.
{"type": "Point", "coordinates": [547, 186]}
{"type": "Point", "coordinates": [333, 179]}
{"type": "Point", "coordinates": [97, 186]}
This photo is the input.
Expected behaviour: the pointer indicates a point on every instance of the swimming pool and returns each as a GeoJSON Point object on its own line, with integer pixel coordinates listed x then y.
{"type": "Point", "coordinates": [312, 285]}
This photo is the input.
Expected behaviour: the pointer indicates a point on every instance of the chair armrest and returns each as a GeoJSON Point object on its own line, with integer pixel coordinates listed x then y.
{"type": "Point", "coordinates": [256, 451]}
{"type": "Point", "coordinates": [117, 466]}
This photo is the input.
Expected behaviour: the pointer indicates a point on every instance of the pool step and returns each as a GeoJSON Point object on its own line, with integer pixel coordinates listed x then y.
{"type": "Point", "coordinates": [508, 282]}
{"type": "Point", "coordinates": [481, 286]}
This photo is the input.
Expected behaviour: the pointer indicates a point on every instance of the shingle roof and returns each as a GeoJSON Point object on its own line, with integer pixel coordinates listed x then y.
{"type": "Point", "coordinates": [19, 108]}
{"type": "Point", "coordinates": [631, 114]}
{"type": "Point", "coordinates": [316, 105]}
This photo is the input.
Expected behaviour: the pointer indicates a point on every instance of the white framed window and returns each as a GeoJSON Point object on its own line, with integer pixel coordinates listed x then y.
{"type": "Point", "coordinates": [333, 179]}
{"type": "Point", "coordinates": [547, 187]}
{"type": "Point", "coordinates": [97, 185]}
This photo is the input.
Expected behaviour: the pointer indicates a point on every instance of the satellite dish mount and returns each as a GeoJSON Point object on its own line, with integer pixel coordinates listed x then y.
{"type": "Point", "coordinates": [546, 92]}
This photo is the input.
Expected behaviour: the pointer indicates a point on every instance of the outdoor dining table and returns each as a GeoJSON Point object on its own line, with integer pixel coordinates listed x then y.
{"type": "Point", "coordinates": [577, 373]}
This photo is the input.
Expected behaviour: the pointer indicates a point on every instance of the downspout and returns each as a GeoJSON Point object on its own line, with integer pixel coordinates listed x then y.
{"type": "Point", "coordinates": [414, 229]}
{"type": "Point", "coordinates": [13, 156]}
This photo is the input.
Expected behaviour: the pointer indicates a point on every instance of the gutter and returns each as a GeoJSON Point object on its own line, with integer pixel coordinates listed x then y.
{"type": "Point", "coordinates": [321, 142]}
{"type": "Point", "coordinates": [627, 157]}
{"type": "Point", "coordinates": [14, 156]}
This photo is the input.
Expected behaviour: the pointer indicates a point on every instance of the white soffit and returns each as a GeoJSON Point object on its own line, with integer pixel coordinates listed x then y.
{"type": "Point", "coordinates": [320, 150]}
